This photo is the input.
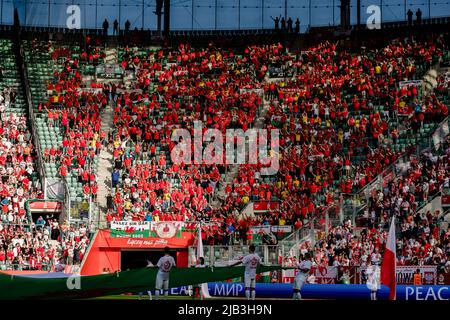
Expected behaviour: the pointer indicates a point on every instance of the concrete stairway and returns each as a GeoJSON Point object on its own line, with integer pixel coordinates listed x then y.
{"type": "Point", "coordinates": [233, 170]}
{"type": "Point", "coordinates": [104, 169]}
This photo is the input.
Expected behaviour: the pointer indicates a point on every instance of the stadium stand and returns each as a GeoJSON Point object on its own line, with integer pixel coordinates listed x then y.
{"type": "Point", "coordinates": [19, 181]}
{"type": "Point", "coordinates": [27, 244]}
{"type": "Point", "coordinates": [421, 240]}
{"type": "Point", "coordinates": [343, 116]}
{"type": "Point", "coordinates": [70, 140]}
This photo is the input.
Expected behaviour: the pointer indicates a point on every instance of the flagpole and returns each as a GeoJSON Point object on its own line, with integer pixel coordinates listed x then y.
{"type": "Point", "coordinates": [388, 266]}
{"type": "Point", "coordinates": [200, 254]}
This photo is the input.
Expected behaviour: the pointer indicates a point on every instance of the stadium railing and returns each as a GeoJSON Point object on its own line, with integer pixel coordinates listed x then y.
{"type": "Point", "coordinates": [291, 244]}
{"type": "Point", "coordinates": [298, 235]}
{"type": "Point", "coordinates": [25, 266]}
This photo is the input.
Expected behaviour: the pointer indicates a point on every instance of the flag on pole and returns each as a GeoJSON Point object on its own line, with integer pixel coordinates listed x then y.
{"type": "Point", "coordinates": [388, 265]}
{"type": "Point", "coordinates": [203, 286]}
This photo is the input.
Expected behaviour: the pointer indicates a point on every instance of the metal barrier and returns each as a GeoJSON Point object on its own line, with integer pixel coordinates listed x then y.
{"type": "Point", "coordinates": [226, 16]}
{"type": "Point", "coordinates": [298, 235]}
{"type": "Point", "coordinates": [7, 266]}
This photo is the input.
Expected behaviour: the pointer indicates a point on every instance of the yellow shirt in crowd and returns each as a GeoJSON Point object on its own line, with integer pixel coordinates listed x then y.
{"type": "Point", "coordinates": [127, 205]}
{"type": "Point", "coordinates": [377, 69]}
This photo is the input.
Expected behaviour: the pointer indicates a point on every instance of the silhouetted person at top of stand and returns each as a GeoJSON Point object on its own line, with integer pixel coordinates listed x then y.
{"type": "Point", "coordinates": [127, 26]}
{"type": "Point", "coordinates": [283, 23]}
{"type": "Point", "coordinates": [115, 27]}
{"type": "Point", "coordinates": [419, 17]}
{"type": "Point", "coordinates": [105, 27]}
{"type": "Point", "coordinates": [277, 22]}
{"type": "Point", "coordinates": [289, 25]}
{"type": "Point", "coordinates": [410, 17]}
{"type": "Point", "coordinates": [297, 26]}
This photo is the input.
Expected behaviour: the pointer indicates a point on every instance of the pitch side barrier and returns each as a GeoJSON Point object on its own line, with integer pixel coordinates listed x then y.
{"type": "Point", "coordinates": [332, 291]}
{"type": "Point", "coordinates": [324, 291]}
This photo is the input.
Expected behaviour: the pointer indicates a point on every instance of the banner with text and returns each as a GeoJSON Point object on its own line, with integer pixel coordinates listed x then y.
{"type": "Point", "coordinates": [404, 274]}
{"type": "Point", "coordinates": [410, 83]}
{"type": "Point", "coordinates": [130, 229]}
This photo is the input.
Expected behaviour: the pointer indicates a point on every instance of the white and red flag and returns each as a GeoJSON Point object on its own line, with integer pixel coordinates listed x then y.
{"type": "Point", "coordinates": [389, 260]}
{"type": "Point", "coordinates": [203, 286]}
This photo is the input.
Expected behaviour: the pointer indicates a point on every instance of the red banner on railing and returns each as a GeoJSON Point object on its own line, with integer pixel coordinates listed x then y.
{"type": "Point", "coordinates": [405, 274]}
{"type": "Point", "coordinates": [266, 205]}
{"type": "Point", "coordinates": [45, 206]}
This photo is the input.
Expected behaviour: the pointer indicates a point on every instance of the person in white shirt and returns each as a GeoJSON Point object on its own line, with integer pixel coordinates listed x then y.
{"type": "Point", "coordinates": [304, 268]}
{"type": "Point", "coordinates": [250, 262]}
{"type": "Point", "coordinates": [373, 280]}
{"type": "Point", "coordinates": [376, 257]}
{"type": "Point", "coordinates": [165, 264]}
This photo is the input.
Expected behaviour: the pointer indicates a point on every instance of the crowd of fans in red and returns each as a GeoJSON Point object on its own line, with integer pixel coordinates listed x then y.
{"type": "Point", "coordinates": [18, 180]}
{"type": "Point", "coordinates": [176, 88]}
{"type": "Point", "coordinates": [75, 109]}
{"type": "Point", "coordinates": [420, 239]}
{"type": "Point", "coordinates": [45, 245]}
{"type": "Point", "coordinates": [338, 119]}
{"type": "Point", "coordinates": [327, 117]}
{"type": "Point", "coordinates": [326, 120]}
{"type": "Point", "coordinates": [41, 244]}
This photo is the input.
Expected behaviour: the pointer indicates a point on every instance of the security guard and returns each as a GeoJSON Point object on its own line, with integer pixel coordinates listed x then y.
{"type": "Point", "coordinates": [417, 278]}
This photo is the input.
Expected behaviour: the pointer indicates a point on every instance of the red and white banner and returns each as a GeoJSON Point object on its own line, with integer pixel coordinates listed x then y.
{"type": "Point", "coordinates": [325, 275]}
{"type": "Point", "coordinates": [292, 90]}
{"type": "Point", "coordinates": [267, 229]}
{"type": "Point", "coordinates": [45, 206]}
{"type": "Point", "coordinates": [260, 229]}
{"type": "Point", "coordinates": [288, 275]}
{"type": "Point", "coordinates": [410, 83]}
{"type": "Point", "coordinates": [404, 274]}
{"type": "Point", "coordinates": [165, 229]}
{"type": "Point", "coordinates": [443, 278]}
{"type": "Point", "coordinates": [180, 73]}
{"type": "Point", "coordinates": [445, 198]}
{"type": "Point", "coordinates": [322, 275]}
{"type": "Point", "coordinates": [388, 265]}
{"type": "Point", "coordinates": [200, 254]}
{"type": "Point", "coordinates": [282, 229]}
{"type": "Point", "coordinates": [266, 206]}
